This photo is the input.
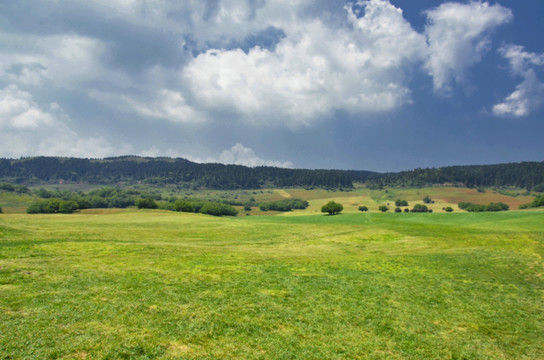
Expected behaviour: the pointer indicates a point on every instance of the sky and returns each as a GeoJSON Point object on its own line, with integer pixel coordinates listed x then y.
{"type": "Point", "coordinates": [381, 85]}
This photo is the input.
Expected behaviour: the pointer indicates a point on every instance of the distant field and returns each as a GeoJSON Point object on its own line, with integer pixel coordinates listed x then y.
{"type": "Point", "coordinates": [109, 284]}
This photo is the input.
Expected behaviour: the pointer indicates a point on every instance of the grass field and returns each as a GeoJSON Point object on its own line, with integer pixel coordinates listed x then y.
{"type": "Point", "coordinates": [152, 284]}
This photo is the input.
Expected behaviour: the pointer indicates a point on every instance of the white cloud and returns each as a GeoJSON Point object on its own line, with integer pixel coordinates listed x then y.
{"type": "Point", "coordinates": [457, 37]}
{"type": "Point", "coordinates": [62, 60]}
{"type": "Point", "coordinates": [529, 95]}
{"type": "Point", "coordinates": [26, 129]}
{"type": "Point", "coordinates": [240, 155]}
{"type": "Point", "coordinates": [313, 70]}
{"type": "Point", "coordinates": [160, 104]}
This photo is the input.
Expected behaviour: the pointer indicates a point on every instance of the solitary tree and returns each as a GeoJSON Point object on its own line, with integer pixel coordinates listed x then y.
{"type": "Point", "coordinates": [332, 208]}
{"type": "Point", "coordinates": [363, 208]}
{"type": "Point", "coordinates": [383, 208]}
{"type": "Point", "coordinates": [427, 200]}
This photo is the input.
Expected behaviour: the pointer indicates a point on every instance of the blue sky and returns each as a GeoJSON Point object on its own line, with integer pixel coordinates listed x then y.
{"type": "Point", "coordinates": [372, 84]}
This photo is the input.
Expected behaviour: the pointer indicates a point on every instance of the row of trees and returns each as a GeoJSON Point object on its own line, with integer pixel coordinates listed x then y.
{"type": "Point", "coordinates": [529, 175]}
{"type": "Point", "coordinates": [170, 171]}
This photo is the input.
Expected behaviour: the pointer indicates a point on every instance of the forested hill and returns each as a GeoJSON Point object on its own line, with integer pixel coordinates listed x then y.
{"type": "Point", "coordinates": [130, 169]}
{"type": "Point", "coordinates": [529, 175]}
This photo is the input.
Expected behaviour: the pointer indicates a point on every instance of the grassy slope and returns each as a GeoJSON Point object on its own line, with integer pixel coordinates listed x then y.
{"type": "Point", "coordinates": [154, 284]}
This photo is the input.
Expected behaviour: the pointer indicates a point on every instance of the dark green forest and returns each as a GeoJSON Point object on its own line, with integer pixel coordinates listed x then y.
{"type": "Point", "coordinates": [159, 171]}
{"type": "Point", "coordinates": [528, 175]}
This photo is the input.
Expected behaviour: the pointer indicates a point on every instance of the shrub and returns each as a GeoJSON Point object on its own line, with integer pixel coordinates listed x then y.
{"type": "Point", "coordinates": [398, 210]}
{"type": "Point", "coordinates": [427, 200]}
{"type": "Point", "coordinates": [184, 206]}
{"type": "Point", "coordinates": [449, 209]}
{"type": "Point", "coordinates": [67, 207]}
{"type": "Point", "coordinates": [399, 202]}
{"type": "Point", "coordinates": [146, 203]}
{"type": "Point", "coordinates": [383, 208]}
{"type": "Point", "coordinates": [420, 208]}
{"type": "Point", "coordinates": [470, 207]}
{"type": "Point", "coordinates": [363, 208]}
{"type": "Point", "coordinates": [406, 210]}
{"type": "Point", "coordinates": [537, 202]}
{"type": "Point", "coordinates": [284, 205]}
{"type": "Point", "coordinates": [7, 187]}
{"type": "Point", "coordinates": [332, 208]}
{"type": "Point", "coordinates": [539, 188]}
{"type": "Point", "coordinates": [1, 211]}
{"type": "Point", "coordinates": [500, 206]}
{"type": "Point", "coordinates": [218, 209]}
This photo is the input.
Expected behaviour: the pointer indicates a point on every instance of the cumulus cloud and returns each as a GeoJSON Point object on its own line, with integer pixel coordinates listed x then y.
{"type": "Point", "coordinates": [457, 35]}
{"type": "Point", "coordinates": [27, 129]}
{"type": "Point", "coordinates": [314, 71]}
{"type": "Point", "coordinates": [529, 95]}
{"type": "Point", "coordinates": [240, 155]}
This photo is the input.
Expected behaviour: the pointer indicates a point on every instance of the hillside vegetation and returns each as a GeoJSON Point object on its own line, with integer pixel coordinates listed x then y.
{"type": "Point", "coordinates": [162, 171]}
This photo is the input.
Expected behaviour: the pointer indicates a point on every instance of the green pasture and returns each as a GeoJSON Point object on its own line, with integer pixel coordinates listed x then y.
{"type": "Point", "coordinates": [160, 285]}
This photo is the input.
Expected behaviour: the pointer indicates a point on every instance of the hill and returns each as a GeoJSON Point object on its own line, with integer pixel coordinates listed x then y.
{"type": "Point", "coordinates": [130, 169]}
{"type": "Point", "coordinates": [528, 175]}
{"type": "Point", "coordinates": [134, 169]}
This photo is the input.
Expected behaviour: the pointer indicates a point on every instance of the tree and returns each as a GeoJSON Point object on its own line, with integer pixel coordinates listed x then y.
{"type": "Point", "coordinates": [332, 208]}
{"type": "Point", "coordinates": [449, 209]}
{"type": "Point", "coordinates": [398, 210]}
{"type": "Point", "coordinates": [383, 208]}
{"type": "Point", "coordinates": [427, 200]}
{"type": "Point", "coordinates": [363, 208]}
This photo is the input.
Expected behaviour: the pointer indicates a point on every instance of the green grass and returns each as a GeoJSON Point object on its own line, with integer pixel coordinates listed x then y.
{"type": "Point", "coordinates": [153, 284]}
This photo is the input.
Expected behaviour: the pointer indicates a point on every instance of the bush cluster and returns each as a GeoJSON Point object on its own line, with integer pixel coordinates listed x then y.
{"type": "Point", "coordinates": [420, 208]}
{"type": "Point", "coordinates": [400, 202]}
{"type": "Point", "coordinates": [107, 197]}
{"type": "Point", "coordinates": [52, 206]}
{"type": "Point", "coordinates": [21, 189]}
{"type": "Point", "coordinates": [470, 207]}
{"type": "Point", "coordinates": [537, 202]}
{"type": "Point", "coordinates": [203, 207]}
{"type": "Point", "coordinates": [284, 205]}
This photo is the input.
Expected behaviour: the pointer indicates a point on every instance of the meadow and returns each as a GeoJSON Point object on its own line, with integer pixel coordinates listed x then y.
{"type": "Point", "coordinates": [129, 284]}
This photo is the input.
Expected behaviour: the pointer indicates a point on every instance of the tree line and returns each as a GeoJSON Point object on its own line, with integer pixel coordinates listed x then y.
{"type": "Point", "coordinates": [528, 175]}
{"type": "Point", "coordinates": [130, 169]}
{"type": "Point", "coordinates": [133, 169]}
